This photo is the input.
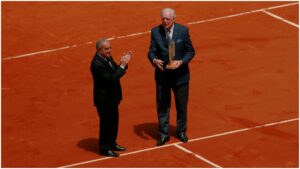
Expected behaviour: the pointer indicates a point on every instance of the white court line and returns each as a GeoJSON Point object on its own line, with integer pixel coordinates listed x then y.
{"type": "Point", "coordinates": [240, 14]}
{"type": "Point", "coordinates": [134, 34]}
{"type": "Point", "coordinates": [173, 144]}
{"type": "Point", "coordinates": [35, 53]}
{"type": "Point", "coordinates": [197, 156]}
{"type": "Point", "coordinates": [146, 32]}
{"type": "Point", "coordinates": [244, 129]}
{"type": "Point", "coordinates": [125, 154]}
{"type": "Point", "coordinates": [280, 18]}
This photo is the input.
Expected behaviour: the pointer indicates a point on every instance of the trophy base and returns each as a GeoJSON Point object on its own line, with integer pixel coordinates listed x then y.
{"type": "Point", "coordinates": [171, 66]}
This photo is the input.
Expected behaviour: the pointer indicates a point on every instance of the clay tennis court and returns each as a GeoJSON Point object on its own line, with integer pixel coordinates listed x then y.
{"type": "Point", "coordinates": [243, 104]}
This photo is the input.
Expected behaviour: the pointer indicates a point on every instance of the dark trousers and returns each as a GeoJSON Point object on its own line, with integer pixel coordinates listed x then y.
{"type": "Point", "coordinates": [163, 102]}
{"type": "Point", "coordinates": [109, 122]}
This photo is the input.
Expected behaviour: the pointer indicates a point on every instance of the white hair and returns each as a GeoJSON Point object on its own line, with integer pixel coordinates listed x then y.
{"type": "Point", "coordinates": [172, 11]}
{"type": "Point", "coordinates": [100, 42]}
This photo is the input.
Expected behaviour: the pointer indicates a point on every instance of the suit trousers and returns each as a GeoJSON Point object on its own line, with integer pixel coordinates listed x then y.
{"type": "Point", "coordinates": [109, 122]}
{"type": "Point", "coordinates": [163, 102]}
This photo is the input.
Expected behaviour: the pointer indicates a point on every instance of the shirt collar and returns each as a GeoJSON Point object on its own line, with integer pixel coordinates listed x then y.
{"type": "Point", "coordinates": [102, 57]}
{"type": "Point", "coordinates": [172, 28]}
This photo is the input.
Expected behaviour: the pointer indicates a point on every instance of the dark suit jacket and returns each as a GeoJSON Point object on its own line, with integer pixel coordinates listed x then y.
{"type": "Point", "coordinates": [107, 87]}
{"type": "Point", "coordinates": [184, 51]}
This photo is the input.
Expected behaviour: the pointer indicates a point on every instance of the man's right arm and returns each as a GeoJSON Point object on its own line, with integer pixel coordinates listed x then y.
{"type": "Point", "coordinates": [153, 52]}
{"type": "Point", "coordinates": [152, 49]}
{"type": "Point", "coordinates": [101, 73]}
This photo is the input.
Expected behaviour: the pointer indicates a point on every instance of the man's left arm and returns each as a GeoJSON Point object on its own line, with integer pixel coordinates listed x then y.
{"type": "Point", "coordinates": [189, 49]}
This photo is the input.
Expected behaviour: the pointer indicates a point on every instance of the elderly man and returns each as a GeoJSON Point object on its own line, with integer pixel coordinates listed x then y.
{"type": "Point", "coordinates": [108, 95]}
{"type": "Point", "coordinates": [170, 52]}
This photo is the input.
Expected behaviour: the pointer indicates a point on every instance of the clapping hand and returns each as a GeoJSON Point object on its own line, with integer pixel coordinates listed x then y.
{"type": "Point", "coordinates": [126, 58]}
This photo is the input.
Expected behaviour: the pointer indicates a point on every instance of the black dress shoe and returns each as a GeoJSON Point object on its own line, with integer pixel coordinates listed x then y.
{"type": "Point", "coordinates": [162, 140]}
{"type": "Point", "coordinates": [182, 137]}
{"type": "Point", "coordinates": [118, 148]}
{"type": "Point", "coordinates": [109, 153]}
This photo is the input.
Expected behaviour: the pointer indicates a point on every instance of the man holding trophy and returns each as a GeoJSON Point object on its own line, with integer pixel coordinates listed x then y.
{"type": "Point", "coordinates": [170, 52]}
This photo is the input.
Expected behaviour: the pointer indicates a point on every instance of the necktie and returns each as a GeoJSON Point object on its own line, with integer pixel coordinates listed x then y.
{"type": "Point", "coordinates": [109, 62]}
{"type": "Point", "coordinates": [171, 46]}
{"type": "Point", "coordinates": [169, 35]}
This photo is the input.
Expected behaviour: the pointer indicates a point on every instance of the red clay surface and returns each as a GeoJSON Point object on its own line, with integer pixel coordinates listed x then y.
{"type": "Point", "coordinates": [265, 145]}
{"type": "Point", "coordinates": [171, 157]}
{"type": "Point", "coordinates": [244, 74]}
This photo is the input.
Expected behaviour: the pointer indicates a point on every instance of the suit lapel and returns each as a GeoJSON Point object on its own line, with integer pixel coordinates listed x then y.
{"type": "Point", "coordinates": [113, 65]}
{"type": "Point", "coordinates": [175, 33]}
{"type": "Point", "coordinates": [105, 63]}
{"type": "Point", "coordinates": [163, 35]}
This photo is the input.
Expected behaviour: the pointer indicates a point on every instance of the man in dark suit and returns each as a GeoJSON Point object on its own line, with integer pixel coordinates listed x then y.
{"type": "Point", "coordinates": [171, 74]}
{"type": "Point", "coordinates": [108, 95]}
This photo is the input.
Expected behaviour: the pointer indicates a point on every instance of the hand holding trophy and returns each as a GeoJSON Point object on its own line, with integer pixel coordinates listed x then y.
{"type": "Point", "coordinates": [172, 64]}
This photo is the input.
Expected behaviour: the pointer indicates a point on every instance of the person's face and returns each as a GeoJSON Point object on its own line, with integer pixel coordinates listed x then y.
{"type": "Point", "coordinates": [105, 50]}
{"type": "Point", "coordinates": [167, 20]}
